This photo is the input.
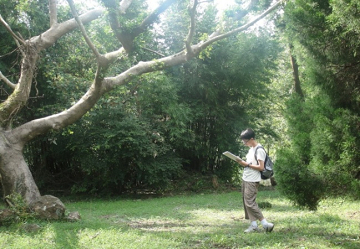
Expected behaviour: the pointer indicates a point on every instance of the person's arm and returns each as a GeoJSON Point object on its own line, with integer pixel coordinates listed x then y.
{"type": "Point", "coordinates": [242, 162]}
{"type": "Point", "coordinates": [260, 155]}
{"type": "Point", "coordinates": [259, 167]}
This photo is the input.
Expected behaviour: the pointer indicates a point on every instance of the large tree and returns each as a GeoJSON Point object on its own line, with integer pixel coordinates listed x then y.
{"type": "Point", "coordinates": [323, 115]}
{"type": "Point", "coordinates": [16, 176]}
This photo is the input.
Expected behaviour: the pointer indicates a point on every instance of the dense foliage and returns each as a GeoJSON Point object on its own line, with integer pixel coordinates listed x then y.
{"type": "Point", "coordinates": [159, 129]}
{"type": "Point", "coordinates": [323, 126]}
{"type": "Point", "coordinates": [164, 125]}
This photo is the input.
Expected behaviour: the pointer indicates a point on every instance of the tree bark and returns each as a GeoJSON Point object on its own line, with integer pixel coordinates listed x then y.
{"type": "Point", "coordinates": [15, 173]}
{"type": "Point", "coordinates": [16, 177]}
{"type": "Point", "coordinates": [296, 76]}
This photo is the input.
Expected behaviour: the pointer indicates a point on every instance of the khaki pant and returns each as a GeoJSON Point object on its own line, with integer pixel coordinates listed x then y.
{"type": "Point", "coordinates": [249, 191]}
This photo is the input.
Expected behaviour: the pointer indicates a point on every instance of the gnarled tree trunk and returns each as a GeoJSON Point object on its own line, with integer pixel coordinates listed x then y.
{"type": "Point", "coordinates": [15, 174]}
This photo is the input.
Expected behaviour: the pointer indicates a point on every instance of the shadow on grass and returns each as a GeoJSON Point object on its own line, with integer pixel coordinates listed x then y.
{"type": "Point", "coordinates": [69, 237]}
{"type": "Point", "coordinates": [201, 221]}
{"type": "Point", "coordinates": [323, 231]}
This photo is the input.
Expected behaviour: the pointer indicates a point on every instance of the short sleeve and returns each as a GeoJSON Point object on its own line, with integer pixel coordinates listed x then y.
{"type": "Point", "coordinates": [261, 154]}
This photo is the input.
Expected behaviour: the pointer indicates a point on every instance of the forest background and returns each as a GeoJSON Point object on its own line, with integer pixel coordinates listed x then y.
{"type": "Point", "coordinates": [294, 79]}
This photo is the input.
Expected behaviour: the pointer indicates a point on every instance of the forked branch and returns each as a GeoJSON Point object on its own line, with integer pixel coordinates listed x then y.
{"type": "Point", "coordinates": [192, 12]}
{"type": "Point", "coordinates": [16, 37]}
{"type": "Point", "coordinates": [8, 82]}
{"type": "Point", "coordinates": [83, 31]}
{"type": "Point", "coordinates": [126, 38]}
{"type": "Point", "coordinates": [36, 127]}
{"type": "Point", "coordinates": [53, 12]}
{"type": "Point", "coordinates": [214, 38]}
{"type": "Point", "coordinates": [124, 5]}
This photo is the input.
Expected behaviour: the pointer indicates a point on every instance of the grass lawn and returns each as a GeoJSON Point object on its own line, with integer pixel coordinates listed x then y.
{"type": "Point", "coordinates": [192, 221]}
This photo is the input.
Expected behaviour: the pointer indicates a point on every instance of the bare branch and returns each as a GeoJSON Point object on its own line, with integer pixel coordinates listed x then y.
{"type": "Point", "coordinates": [36, 127]}
{"type": "Point", "coordinates": [127, 38]}
{"type": "Point", "coordinates": [153, 51]}
{"type": "Point", "coordinates": [8, 82]}
{"type": "Point", "coordinates": [124, 5]}
{"type": "Point", "coordinates": [237, 30]}
{"type": "Point", "coordinates": [112, 56]}
{"type": "Point", "coordinates": [9, 53]}
{"type": "Point", "coordinates": [30, 50]}
{"type": "Point", "coordinates": [152, 17]}
{"type": "Point", "coordinates": [251, 4]}
{"type": "Point", "coordinates": [83, 31]}
{"type": "Point", "coordinates": [19, 97]}
{"type": "Point", "coordinates": [49, 37]}
{"type": "Point", "coordinates": [114, 21]}
{"type": "Point", "coordinates": [17, 38]}
{"type": "Point", "coordinates": [192, 12]}
{"type": "Point", "coordinates": [53, 12]}
{"type": "Point", "coordinates": [246, 10]}
{"type": "Point", "coordinates": [176, 59]}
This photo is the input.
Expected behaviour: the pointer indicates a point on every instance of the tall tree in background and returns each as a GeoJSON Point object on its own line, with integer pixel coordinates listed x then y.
{"type": "Point", "coordinates": [15, 174]}
{"type": "Point", "coordinates": [324, 128]}
{"type": "Point", "coordinates": [225, 99]}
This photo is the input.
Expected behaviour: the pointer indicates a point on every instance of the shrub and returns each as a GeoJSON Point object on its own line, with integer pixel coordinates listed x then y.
{"type": "Point", "coordinates": [295, 180]}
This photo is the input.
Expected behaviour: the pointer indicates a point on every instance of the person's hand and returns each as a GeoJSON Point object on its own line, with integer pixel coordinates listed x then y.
{"type": "Point", "coordinates": [241, 162]}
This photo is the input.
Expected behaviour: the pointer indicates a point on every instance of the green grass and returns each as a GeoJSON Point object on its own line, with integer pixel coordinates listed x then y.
{"type": "Point", "coordinates": [192, 221]}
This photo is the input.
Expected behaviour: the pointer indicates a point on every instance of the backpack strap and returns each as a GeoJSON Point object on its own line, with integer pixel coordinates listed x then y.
{"type": "Point", "coordinates": [265, 153]}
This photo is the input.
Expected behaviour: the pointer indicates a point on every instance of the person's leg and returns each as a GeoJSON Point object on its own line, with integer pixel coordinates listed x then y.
{"type": "Point", "coordinates": [243, 194]}
{"type": "Point", "coordinates": [251, 208]}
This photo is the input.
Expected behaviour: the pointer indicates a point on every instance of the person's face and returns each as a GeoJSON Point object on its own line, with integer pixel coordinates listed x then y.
{"type": "Point", "coordinates": [246, 141]}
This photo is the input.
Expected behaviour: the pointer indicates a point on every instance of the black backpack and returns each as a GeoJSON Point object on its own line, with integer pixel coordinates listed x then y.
{"type": "Point", "coordinates": [268, 165]}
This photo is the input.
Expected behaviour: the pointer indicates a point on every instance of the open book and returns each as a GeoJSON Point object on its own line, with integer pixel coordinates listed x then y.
{"type": "Point", "coordinates": [230, 155]}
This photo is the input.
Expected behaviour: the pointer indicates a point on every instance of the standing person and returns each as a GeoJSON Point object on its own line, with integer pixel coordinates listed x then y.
{"type": "Point", "coordinates": [250, 182]}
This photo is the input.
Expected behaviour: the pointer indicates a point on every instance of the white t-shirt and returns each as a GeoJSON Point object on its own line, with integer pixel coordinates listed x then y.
{"type": "Point", "coordinates": [250, 174]}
